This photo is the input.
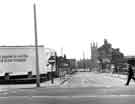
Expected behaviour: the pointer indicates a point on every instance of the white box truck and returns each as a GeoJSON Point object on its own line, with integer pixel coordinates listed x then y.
{"type": "Point", "coordinates": [21, 59]}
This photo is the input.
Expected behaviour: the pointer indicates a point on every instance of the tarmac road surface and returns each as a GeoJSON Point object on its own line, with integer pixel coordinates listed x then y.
{"type": "Point", "coordinates": [81, 88]}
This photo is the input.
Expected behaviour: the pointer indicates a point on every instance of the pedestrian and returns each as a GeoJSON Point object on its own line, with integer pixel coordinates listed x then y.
{"type": "Point", "coordinates": [130, 75]}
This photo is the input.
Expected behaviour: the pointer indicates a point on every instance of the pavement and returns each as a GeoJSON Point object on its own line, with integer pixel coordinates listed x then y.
{"type": "Point", "coordinates": [124, 77]}
{"type": "Point", "coordinates": [46, 84]}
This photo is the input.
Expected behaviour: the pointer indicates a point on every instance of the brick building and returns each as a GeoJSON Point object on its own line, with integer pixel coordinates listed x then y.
{"type": "Point", "coordinates": [104, 57]}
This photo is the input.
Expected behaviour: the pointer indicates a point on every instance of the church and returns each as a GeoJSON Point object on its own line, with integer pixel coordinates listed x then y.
{"type": "Point", "coordinates": [104, 58]}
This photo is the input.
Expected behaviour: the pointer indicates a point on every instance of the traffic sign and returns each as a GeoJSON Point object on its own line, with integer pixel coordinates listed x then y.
{"type": "Point", "coordinates": [51, 60]}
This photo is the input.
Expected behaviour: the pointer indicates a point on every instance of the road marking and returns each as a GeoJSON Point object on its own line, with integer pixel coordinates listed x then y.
{"type": "Point", "coordinates": [66, 97]}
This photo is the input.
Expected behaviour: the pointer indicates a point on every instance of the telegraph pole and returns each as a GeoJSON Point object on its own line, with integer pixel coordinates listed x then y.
{"type": "Point", "coordinates": [36, 48]}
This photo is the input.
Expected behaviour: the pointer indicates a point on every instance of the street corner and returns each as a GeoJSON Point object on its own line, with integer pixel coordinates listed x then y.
{"type": "Point", "coordinates": [58, 82]}
{"type": "Point", "coordinates": [48, 84]}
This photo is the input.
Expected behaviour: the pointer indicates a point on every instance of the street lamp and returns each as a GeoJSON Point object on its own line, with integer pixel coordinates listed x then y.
{"type": "Point", "coordinates": [36, 48]}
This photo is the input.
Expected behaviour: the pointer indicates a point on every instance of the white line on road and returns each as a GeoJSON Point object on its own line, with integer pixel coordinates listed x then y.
{"type": "Point", "coordinates": [66, 97]}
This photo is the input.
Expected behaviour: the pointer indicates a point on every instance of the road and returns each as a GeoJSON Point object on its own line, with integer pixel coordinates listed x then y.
{"type": "Point", "coordinates": [82, 88]}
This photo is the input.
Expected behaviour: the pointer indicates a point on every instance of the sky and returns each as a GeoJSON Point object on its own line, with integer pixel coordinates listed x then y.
{"type": "Point", "coordinates": [69, 25]}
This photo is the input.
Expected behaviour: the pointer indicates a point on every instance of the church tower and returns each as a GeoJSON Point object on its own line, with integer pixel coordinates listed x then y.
{"type": "Point", "coordinates": [94, 52]}
{"type": "Point", "coordinates": [94, 55]}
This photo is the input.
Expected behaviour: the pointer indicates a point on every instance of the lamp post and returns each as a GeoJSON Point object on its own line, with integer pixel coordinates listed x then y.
{"type": "Point", "coordinates": [36, 48]}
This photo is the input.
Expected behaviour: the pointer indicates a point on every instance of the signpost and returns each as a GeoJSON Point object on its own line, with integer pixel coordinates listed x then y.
{"type": "Point", "coordinates": [51, 61]}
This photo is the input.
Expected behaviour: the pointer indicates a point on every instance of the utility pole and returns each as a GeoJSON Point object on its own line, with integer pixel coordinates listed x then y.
{"type": "Point", "coordinates": [36, 48]}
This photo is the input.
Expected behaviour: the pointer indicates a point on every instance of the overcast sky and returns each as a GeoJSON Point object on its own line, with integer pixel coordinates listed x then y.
{"type": "Point", "coordinates": [69, 24]}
